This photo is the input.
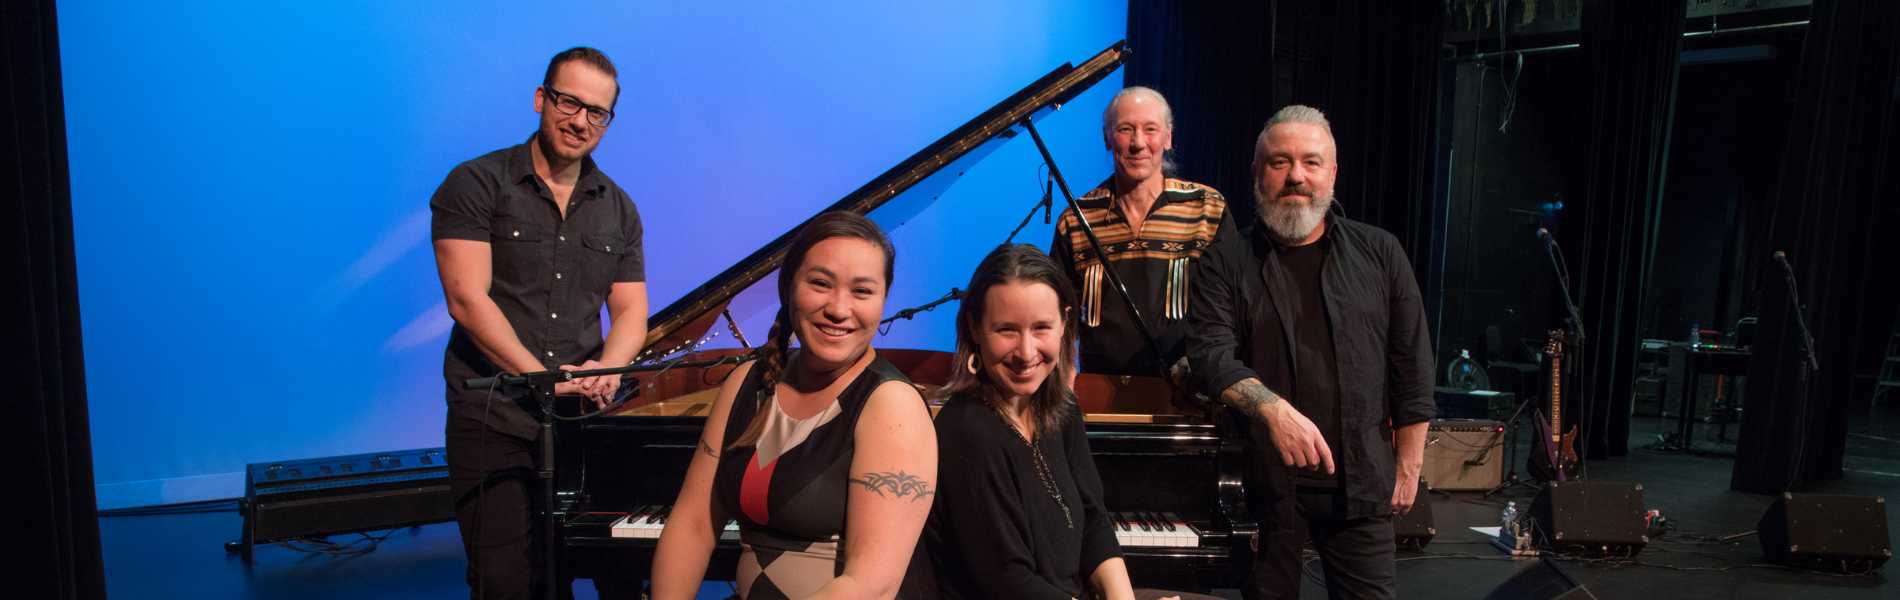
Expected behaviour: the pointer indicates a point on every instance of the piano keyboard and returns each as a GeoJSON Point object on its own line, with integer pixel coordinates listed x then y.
{"type": "Point", "coordinates": [1132, 528]}
{"type": "Point", "coordinates": [1147, 528]}
{"type": "Point", "coordinates": [650, 520]}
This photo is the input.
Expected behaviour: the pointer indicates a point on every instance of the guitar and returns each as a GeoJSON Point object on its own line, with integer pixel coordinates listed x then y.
{"type": "Point", "coordinates": [1558, 459]}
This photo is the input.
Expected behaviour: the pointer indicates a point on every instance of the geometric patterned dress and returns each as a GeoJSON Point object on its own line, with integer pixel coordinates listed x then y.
{"type": "Point", "coordinates": [788, 492]}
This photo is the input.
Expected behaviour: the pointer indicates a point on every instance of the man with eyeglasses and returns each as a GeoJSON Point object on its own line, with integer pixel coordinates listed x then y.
{"type": "Point", "coordinates": [530, 242]}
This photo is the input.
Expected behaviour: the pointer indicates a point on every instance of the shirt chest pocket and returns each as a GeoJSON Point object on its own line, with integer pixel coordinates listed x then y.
{"type": "Point", "coordinates": [600, 260]}
{"type": "Point", "coordinates": [517, 247]}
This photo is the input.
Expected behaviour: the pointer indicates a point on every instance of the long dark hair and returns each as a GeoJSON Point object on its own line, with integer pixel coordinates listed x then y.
{"type": "Point", "coordinates": [778, 343]}
{"type": "Point", "coordinates": [1020, 263]}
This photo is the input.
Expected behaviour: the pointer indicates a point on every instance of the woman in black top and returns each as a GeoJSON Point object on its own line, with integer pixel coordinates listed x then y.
{"type": "Point", "coordinates": [1019, 512]}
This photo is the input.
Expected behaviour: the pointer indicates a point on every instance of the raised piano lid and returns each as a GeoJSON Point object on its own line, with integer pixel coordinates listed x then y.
{"type": "Point", "coordinates": [890, 199]}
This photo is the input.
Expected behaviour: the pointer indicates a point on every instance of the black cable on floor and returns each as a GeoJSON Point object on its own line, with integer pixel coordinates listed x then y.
{"type": "Point", "coordinates": [321, 545]}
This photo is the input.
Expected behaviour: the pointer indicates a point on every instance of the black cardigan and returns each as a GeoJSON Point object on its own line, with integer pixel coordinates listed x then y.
{"type": "Point", "coordinates": [994, 531]}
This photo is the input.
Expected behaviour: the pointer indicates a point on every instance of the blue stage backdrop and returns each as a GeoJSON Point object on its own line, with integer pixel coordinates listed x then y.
{"type": "Point", "coordinates": [251, 185]}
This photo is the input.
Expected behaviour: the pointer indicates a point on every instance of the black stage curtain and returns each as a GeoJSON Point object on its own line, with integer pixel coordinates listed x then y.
{"type": "Point", "coordinates": [1631, 51]}
{"type": "Point", "coordinates": [1372, 67]}
{"type": "Point", "coordinates": [51, 512]}
{"type": "Point", "coordinates": [1834, 198]}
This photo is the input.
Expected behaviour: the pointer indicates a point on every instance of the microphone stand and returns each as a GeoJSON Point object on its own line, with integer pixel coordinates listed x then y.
{"type": "Point", "coordinates": [1045, 205]}
{"type": "Point", "coordinates": [1801, 380]}
{"type": "Point", "coordinates": [1510, 477]}
{"type": "Point", "coordinates": [955, 294]}
{"type": "Point", "coordinates": [1794, 299]}
{"type": "Point", "coordinates": [1096, 243]}
{"type": "Point", "coordinates": [541, 385]}
{"type": "Point", "coordinates": [884, 326]}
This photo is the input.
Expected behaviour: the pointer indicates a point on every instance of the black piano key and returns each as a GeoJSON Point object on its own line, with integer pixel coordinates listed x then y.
{"type": "Point", "coordinates": [1173, 518]}
{"type": "Point", "coordinates": [1142, 518]}
{"type": "Point", "coordinates": [1167, 520]}
{"type": "Point", "coordinates": [1121, 520]}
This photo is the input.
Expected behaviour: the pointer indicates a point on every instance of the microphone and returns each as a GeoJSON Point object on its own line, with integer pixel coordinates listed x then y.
{"type": "Point", "coordinates": [1048, 197]}
{"type": "Point", "coordinates": [1544, 234]}
{"type": "Point", "coordinates": [1781, 258]}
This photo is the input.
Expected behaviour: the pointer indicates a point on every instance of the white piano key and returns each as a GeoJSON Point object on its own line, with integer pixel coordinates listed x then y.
{"type": "Point", "coordinates": [648, 524]}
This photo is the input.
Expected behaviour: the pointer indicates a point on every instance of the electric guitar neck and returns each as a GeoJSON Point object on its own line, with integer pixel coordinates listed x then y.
{"type": "Point", "coordinates": [1561, 447]}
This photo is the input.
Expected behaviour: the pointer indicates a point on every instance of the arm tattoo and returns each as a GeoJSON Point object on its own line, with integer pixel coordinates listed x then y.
{"type": "Point", "coordinates": [1249, 396]}
{"type": "Point", "coordinates": [707, 448]}
{"type": "Point", "coordinates": [899, 483]}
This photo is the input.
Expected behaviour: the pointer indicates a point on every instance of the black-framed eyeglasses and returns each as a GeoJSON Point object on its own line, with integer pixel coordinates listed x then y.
{"type": "Point", "coordinates": [568, 105]}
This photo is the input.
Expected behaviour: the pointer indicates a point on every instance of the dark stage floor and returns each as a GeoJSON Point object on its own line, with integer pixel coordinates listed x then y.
{"type": "Point", "coordinates": [181, 555]}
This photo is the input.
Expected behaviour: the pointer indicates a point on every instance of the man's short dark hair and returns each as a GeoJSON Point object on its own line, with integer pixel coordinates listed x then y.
{"type": "Point", "coordinates": [593, 58]}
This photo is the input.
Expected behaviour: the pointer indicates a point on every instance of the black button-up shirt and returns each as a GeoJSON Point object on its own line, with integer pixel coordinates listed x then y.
{"type": "Point", "coordinates": [550, 275]}
{"type": "Point", "coordinates": [1384, 365]}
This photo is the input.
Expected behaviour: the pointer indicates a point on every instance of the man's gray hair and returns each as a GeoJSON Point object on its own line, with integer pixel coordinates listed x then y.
{"type": "Point", "coordinates": [1295, 113]}
{"type": "Point", "coordinates": [1168, 168]}
{"type": "Point", "coordinates": [1108, 114]}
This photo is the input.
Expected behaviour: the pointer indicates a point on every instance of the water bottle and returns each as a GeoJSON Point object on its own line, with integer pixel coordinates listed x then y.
{"type": "Point", "coordinates": [1695, 335]}
{"type": "Point", "coordinates": [1510, 520]}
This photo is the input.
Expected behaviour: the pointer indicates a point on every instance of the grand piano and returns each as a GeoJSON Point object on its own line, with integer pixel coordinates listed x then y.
{"type": "Point", "coordinates": [1171, 472]}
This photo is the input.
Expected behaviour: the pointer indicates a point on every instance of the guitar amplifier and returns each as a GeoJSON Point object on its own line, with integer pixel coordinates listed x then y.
{"type": "Point", "coordinates": [1454, 403]}
{"type": "Point", "coordinates": [287, 500]}
{"type": "Point", "coordinates": [1464, 455]}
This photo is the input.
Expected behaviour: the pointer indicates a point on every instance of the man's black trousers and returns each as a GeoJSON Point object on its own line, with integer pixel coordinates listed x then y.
{"type": "Point", "coordinates": [1357, 556]}
{"type": "Point", "coordinates": [492, 475]}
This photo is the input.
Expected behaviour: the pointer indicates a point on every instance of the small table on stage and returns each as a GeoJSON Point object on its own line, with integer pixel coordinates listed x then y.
{"type": "Point", "coordinates": [1687, 364]}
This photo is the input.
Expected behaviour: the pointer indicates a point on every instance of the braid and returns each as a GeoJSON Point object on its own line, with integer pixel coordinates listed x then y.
{"type": "Point", "coordinates": [772, 355]}
{"type": "Point", "coordinates": [777, 349]}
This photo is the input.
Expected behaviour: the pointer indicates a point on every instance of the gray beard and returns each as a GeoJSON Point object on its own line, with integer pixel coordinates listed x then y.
{"type": "Point", "coordinates": [1291, 222]}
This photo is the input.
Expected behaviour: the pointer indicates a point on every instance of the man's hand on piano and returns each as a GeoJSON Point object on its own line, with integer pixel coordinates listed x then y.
{"type": "Point", "coordinates": [598, 389]}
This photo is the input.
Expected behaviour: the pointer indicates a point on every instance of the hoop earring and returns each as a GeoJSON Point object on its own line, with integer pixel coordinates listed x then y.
{"type": "Point", "coordinates": [971, 364]}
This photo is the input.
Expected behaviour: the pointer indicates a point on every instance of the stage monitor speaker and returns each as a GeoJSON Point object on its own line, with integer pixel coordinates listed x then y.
{"type": "Point", "coordinates": [1414, 528]}
{"type": "Point", "coordinates": [1463, 455]}
{"type": "Point", "coordinates": [287, 500]}
{"type": "Point", "coordinates": [1590, 518]}
{"type": "Point", "coordinates": [1826, 532]}
{"type": "Point", "coordinates": [1541, 580]}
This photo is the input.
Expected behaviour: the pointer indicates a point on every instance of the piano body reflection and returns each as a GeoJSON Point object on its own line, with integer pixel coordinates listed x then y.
{"type": "Point", "coordinates": [1171, 476]}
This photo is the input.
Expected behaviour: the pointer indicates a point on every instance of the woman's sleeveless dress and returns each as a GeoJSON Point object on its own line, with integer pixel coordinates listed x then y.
{"type": "Point", "coordinates": [788, 492]}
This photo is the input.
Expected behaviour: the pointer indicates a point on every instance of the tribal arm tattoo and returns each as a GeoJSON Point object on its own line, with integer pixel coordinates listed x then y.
{"type": "Point", "coordinates": [899, 484]}
{"type": "Point", "coordinates": [1249, 396]}
{"type": "Point", "coordinates": [707, 449]}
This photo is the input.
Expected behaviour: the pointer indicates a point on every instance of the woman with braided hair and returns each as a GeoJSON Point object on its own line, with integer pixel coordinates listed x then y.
{"type": "Point", "coordinates": [824, 454]}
